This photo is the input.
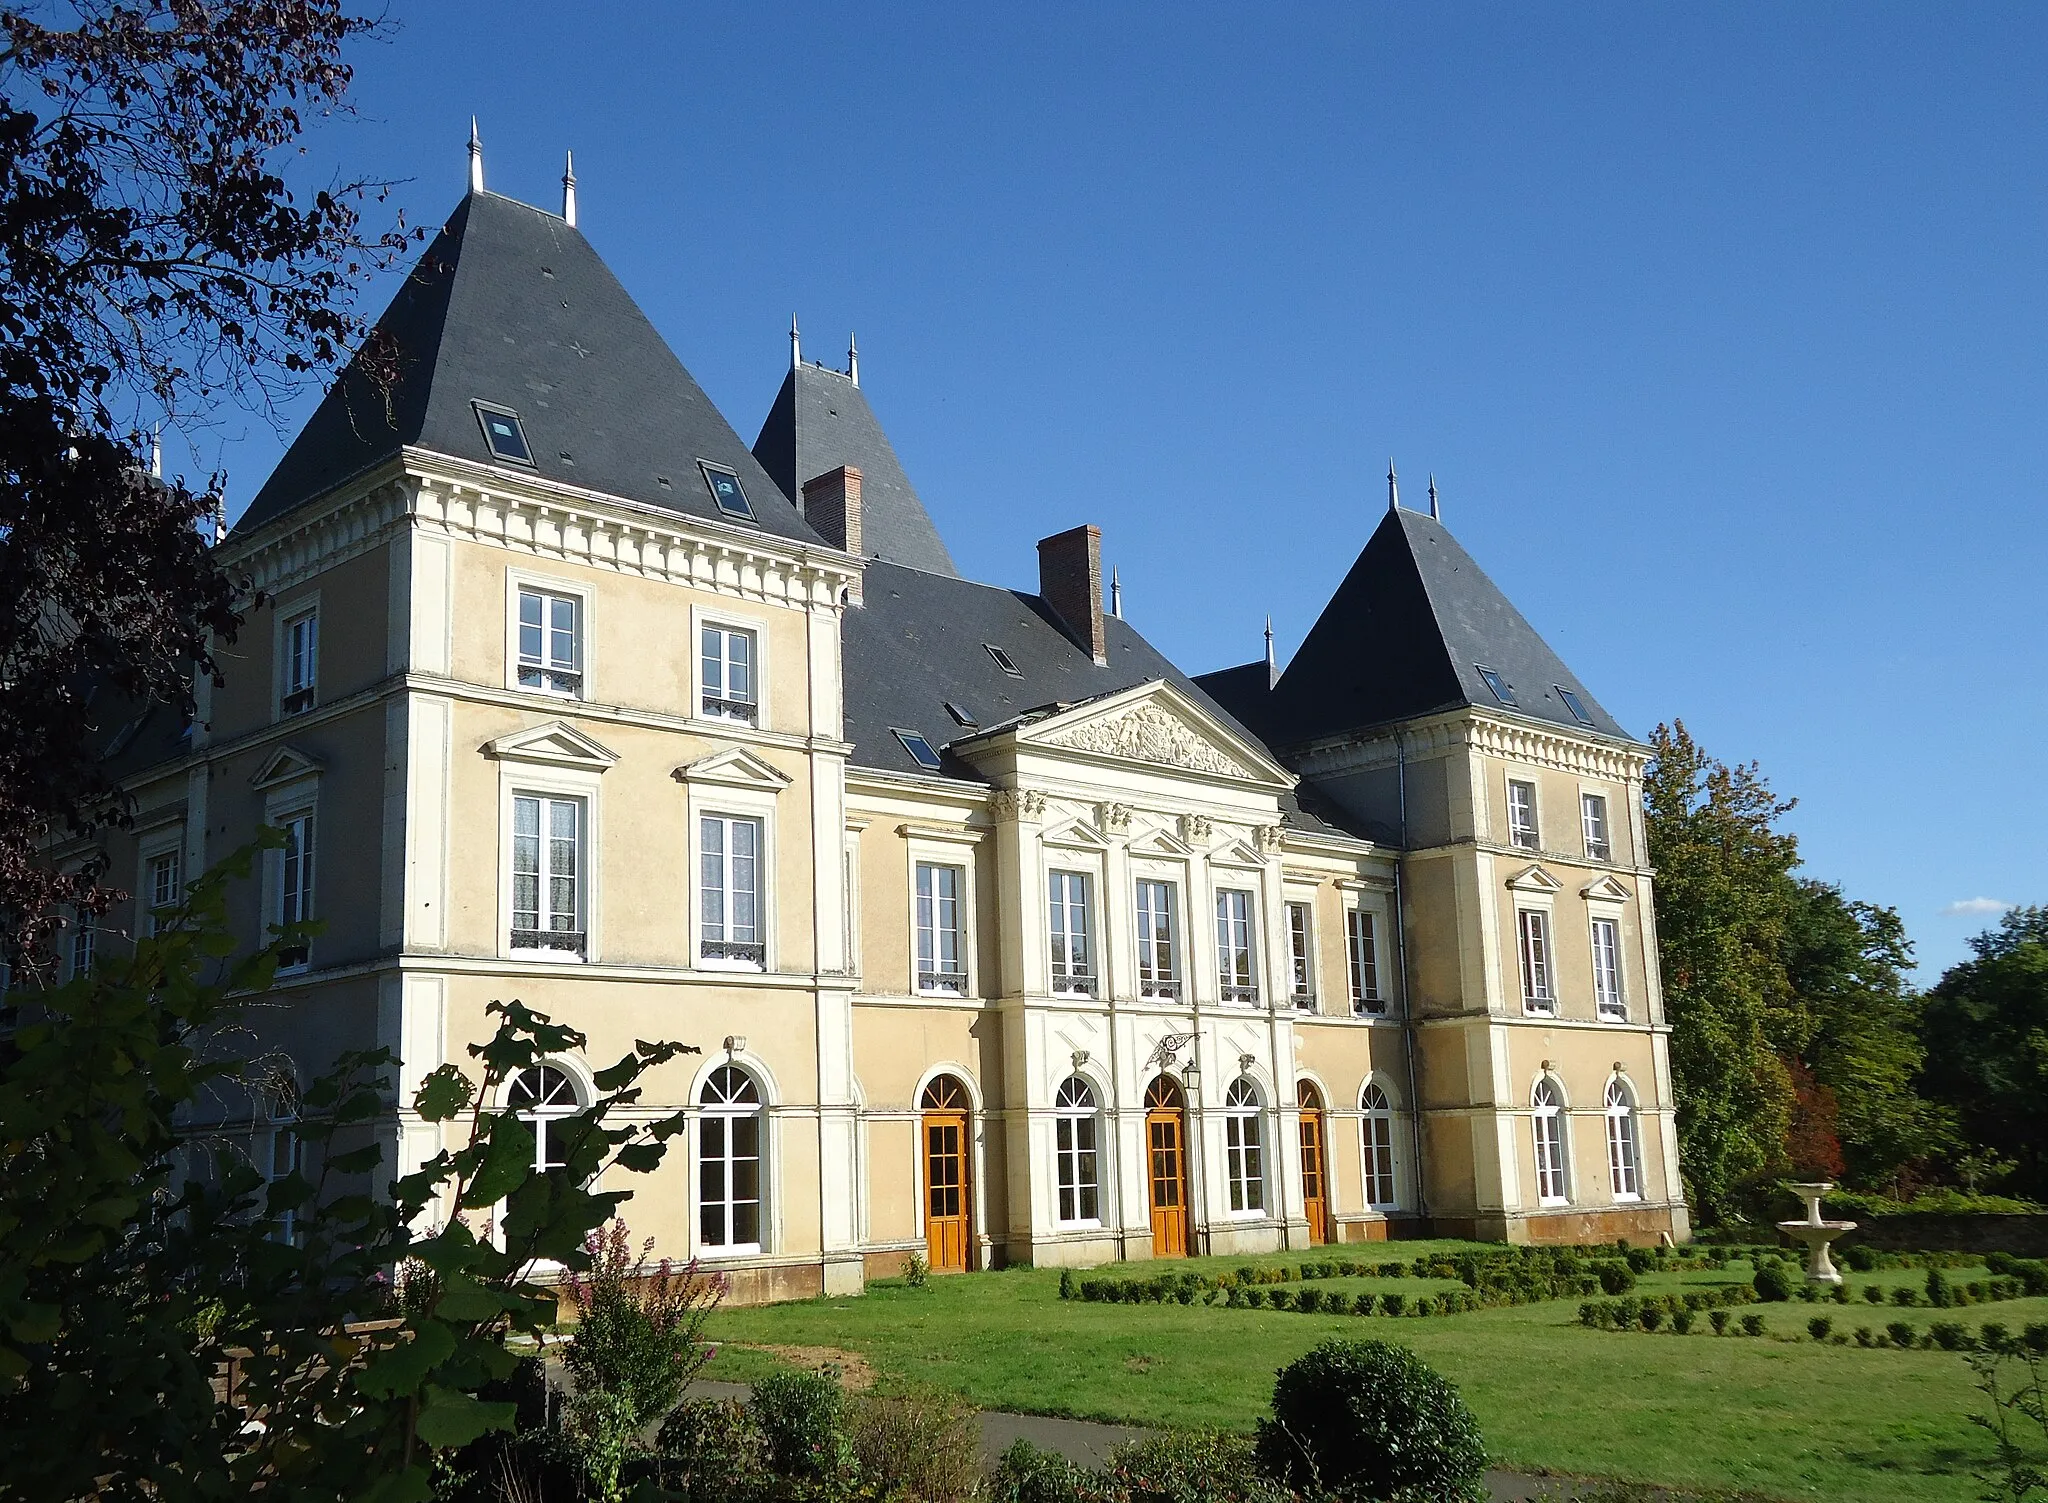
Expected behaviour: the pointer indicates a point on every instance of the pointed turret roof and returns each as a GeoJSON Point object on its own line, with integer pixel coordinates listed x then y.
{"type": "Point", "coordinates": [512, 307]}
{"type": "Point", "coordinates": [1407, 634]}
{"type": "Point", "coordinates": [820, 421]}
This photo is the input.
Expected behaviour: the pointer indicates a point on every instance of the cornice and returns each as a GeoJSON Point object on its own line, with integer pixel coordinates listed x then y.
{"type": "Point", "coordinates": [1531, 742]}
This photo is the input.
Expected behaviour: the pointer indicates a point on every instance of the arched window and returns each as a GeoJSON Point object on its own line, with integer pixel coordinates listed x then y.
{"type": "Point", "coordinates": [729, 1163]}
{"type": "Point", "coordinates": [1243, 1161]}
{"type": "Point", "coordinates": [542, 1098]}
{"type": "Point", "coordinates": [1074, 1149]}
{"type": "Point", "coordinates": [1552, 1188]}
{"type": "Point", "coordinates": [1377, 1129]}
{"type": "Point", "coordinates": [1624, 1164]}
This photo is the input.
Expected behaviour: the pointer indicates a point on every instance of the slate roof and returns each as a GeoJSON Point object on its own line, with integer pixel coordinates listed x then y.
{"type": "Point", "coordinates": [1405, 635]}
{"type": "Point", "coordinates": [820, 421]}
{"type": "Point", "coordinates": [512, 306]}
{"type": "Point", "coordinates": [919, 642]}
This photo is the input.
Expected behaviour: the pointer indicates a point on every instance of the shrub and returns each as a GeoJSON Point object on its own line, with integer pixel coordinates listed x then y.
{"type": "Point", "coordinates": [1640, 1259]}
{"type": "Point", "coordinates": [1771, 1283]}
{"type": "Point", "coordinates": [1939, 1295]}
{"type": "Point", "coordinates": [1873, 1293]}
{"type": "Point", "coordinates": [1840, 1294]}
{"type": "Point", "coordinates": [1615, 1277]}
{"type": "Point", "coordinates": [1681, 1321]}
{"type": "Point", "coordinates": [920, 1445]}
{"type": "Point", "coordinates": [1363, 1304]}
{"type": "Point", "coordinates": [799, 1416]}
{"type": "Point", "coordinates": [1901, 1333]}
{"type": "Point", "coordinates": [1393, 1304]}
{"type": "Point", "coordinates": [1359, 1420]}
{"type": "Point", "coordinates": [1069, 1286]}
{"type": "Point", "coordinates": [712, 1451]}
{"type": "Point", "coordinates": [1282, 1299]}
{"type": "Point", "coordinates": [1752, 1325]}
{"type": "Point", "coordinates": [1949, 1335]}
{"type": "Point", "coordinates": [1905, 1294]}
{"type": "Point", "coordinates": [1253, 1298]}
{"type": "Point", "coordinates": [1820, 1328]}
{"type": "Point", "coordinates": [916, 1271]}
{"type": "Point", "coordinates": [1859, 1257]}
{"type": "Point", "coordinates": [1865, 1336]}
{"type": "Point", "coordinates": [1651, 1316]}
{"type": "Point", "coordinates": [1025, 1474]}
{"type": "Point", "coordinates": [1994, 1337]}
{"type": "Point", "coordinates": [1589, 1313]}
{"type": "Point", "coordinates": [1187, 1466]}
{"type": "Point", "coordinates": [2035, 1338]}
{"type": "Point", "coordinates": [1309, 1301]}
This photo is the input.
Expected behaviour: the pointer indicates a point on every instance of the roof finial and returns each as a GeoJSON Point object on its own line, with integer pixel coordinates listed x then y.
{"type": "Point", "coordinates": [1116, 593]}
{"type": "Point", "coordinates": [569, 189]}
{"type": "Point", "coordinates": [1433, 516]}
{"type": "Point", "coordinates": [1393, 489]}
{"type": "Point", "coordinates": [796, 351]}
{"type": "Point", "coordinates": [476, 158]}
{"type": "Point", "coordinates": [156, 454]}
{"type": "Point", "coordinates": [853, 359]}
{"type": "Point", "coordinates": [1272, 663]}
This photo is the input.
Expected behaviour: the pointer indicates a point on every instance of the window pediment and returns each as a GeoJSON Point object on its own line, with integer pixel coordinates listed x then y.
{"type": "Point", "coordinates": [1162, 844]}
{"type": "Point", "coordinates": [555, 744]}
{"type": "Point", "coordinates": [1079, 835]}
{"type": "Point", "coordinates": [1237, 853]}
{"type": "Point", "coordinates": [735, 767]}
{"type": "Point", "coordinates": [1606, 890]}
{"type": "Point", "coordinates": [287, 765]}
{"type": "Point", "coordinates": [1535, 879]}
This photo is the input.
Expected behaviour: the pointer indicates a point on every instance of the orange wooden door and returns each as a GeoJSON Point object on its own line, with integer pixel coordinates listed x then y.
{"type": "Point", "coordinates": [946, 1201]}
{"type": "Point", "coordinates": [1166, 1151]}
{"type": "Point", "coordinates": [1315, 1185]}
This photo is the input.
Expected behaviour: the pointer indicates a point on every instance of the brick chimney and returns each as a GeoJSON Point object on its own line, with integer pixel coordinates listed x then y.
{"type": "Point", "coordinates": [1070, 580]}
{"type": "Point", "coordinates": [832, 506]}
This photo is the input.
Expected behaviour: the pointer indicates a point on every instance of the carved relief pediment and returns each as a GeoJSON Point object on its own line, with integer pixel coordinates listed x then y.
{"type": "Point", "coordinates": [1153, 731]}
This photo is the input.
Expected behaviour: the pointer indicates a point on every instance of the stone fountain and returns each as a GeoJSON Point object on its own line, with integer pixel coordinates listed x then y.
{"type": "Point", "coordinates": [1816, 1233]}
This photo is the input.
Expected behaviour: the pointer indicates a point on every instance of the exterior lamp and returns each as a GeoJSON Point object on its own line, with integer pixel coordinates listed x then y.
{"type": "Point", "coordinates": [1193, 1076]}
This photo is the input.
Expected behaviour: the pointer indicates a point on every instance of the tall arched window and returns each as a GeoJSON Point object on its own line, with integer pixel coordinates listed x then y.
{"type": "Point", "coordinates": [729, 1163]}
{"type": "Point", "coordinates": [1377, 1129]}
{"type": "Point", "coordinates": [1552, 1188]}
{"type": "Point", "coordinates": [1243, 1161]}
{"type": "Point", "coordinates": [1624, 1164]}
{"type": "Point", "coordinates": [1074, 1148]}
{"type": "Point", "coordinates": [541, 1098]}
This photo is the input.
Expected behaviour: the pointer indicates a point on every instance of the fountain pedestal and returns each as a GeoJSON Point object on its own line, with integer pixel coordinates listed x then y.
{"type": "Point", "coordinates": [1816, 1233]}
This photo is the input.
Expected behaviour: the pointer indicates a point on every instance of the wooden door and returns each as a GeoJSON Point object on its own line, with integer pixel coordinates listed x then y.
{"type": "Point", "coordinates": [1166, 1153]}
{"type": "Point", "coordinates": [1315, 1184]}
{"type": "Point", "coordinates": [946, 1157]}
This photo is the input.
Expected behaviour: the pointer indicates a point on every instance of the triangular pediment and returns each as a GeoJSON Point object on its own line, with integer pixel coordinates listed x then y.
{"type": "Point", "coordinates": [736, 767]}
{"type": "Point", "coordinates": [1079, 835]}
{"type": "Point", "coordinates": [1534, 879]}
{"type": "Point", "coordinates": [1235, 853]}
{"type": "Point", "coordinates": [555, 744]}
{"type": "Point", "coordinates": [285, 765]}
{"type": "Point", "coordinates": [1162, 843]}
{"type": "Point", "coordinates": [1606, 890]}
{"type": "Point", "coordinates": [1157, 725]}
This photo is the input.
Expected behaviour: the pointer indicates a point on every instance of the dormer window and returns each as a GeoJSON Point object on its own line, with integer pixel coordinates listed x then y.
{"type": "Point", "coordinates": [725, 491]}
{"type": "Point", "coordinates": [920, 750]}
{"type": "Point", "coordinates": [1497, 684]}
{"type": "Point", "coordinates": [503, 433]}
{"type": "Point", "coordinates": [1573, 703]}
{"type": "Point", "coordinates": [1003, 660]}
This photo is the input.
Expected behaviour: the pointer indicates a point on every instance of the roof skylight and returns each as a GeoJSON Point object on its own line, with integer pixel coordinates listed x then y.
{"type": "Point", "coordinates": [725, 490]}
{"type": "Point", "coordinates": [961, 716]}
{"type": "Point", "coordinates": [1499, 685]}
{"type": "Point", "coordinates": [1003, 660]}
{"type": "Point", "coordinates": [1573, 703]}
{"type": "Point", "coordinates": [920, 750]}
{"type": "Point", "coordinates": [503, 433]}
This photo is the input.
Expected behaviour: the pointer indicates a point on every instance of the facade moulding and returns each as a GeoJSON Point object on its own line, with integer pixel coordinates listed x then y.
{"type": "Point", "coordinates": [1526, 1021]}
{"type": "Point", "coordinates": [1481, 732]}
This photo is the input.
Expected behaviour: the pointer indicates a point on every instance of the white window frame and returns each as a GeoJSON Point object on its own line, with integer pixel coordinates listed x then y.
{"type": "Point", "coordinates": [928, 974]}
{"type": "Point", "coordinates": [717, 618]}
{"type": "Point", "coordinates": [302, 608]}
{"type": "Point", "coordinates": [540, 779]}
{"type": "Point", "coordinates": [1377, 1140]}
{"type": "Point", "coordinates": [517, 580]}
{"type": "Point", "coordinates": [547, 801]}
{"type": "Point", "coordinates": [1531, 838]}
{"type": "Point", "coordinates": [1600, 847]}
{"type": "Point", "coordinates": [1244, 1150]}
{"type": "Point", "coordinates": [1237, 936]}
{"type": "Point", "coordinates": [1610, 990]}
{"type": "Point", "coordinates": [1550, 1136]}
{"type": "Point", "coordinates": [1624, 1141]}
{"type": "Point", "coordinates": [1367, 1001]}
{"type": "Point", "coordinates": [1059, 936]}
{"type": "Point", "coordinates": [1301, 949]}
{"type": "Point", "coordinates": [1537, 972]}
{"type": "Point", "coordinates": [1071, 1121]}
{"type": "Point", "coordinates": [551, 1108]}
{"type": "Point", "coordinates": [281, 1131]}
{"type": "Point", "coordinates": [1152, 982]}
{"type": "Point", "coordinates": [154, 849]}
{"type": "Point", "coordinates": [729, 1114]}
{"type": "Point", "coordinates": [720, 797]}
{"type": "Point", "coordinates": [728, 820]}
{"type": "Point", "coordinates": [82, 945]}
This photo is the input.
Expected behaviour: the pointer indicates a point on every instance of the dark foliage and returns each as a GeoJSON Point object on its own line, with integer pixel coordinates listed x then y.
{"type": "Point", "coordinates": [1772, 1283]}
{"type": "Point", "coordinates": [1985, 1028]}
{"type": "Point", "coordinates": [1365, 1420]}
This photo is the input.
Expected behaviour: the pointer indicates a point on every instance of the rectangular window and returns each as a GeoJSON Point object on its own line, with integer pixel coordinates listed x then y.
{"type": "Point", "coordinates": [728, 687]}
{"type": "Point", "coordinates": [1080, 1193]}
{"type": "Point", "coordinates": [941, 941]}
{"type": "Point", "coordinates": [551, 643]}
{"type": "Point", "coordinates": [1158, 966]}
{"type": "Point", "coordinates": [1300, 956]}
{"type": "Point", "coordinates": [1239, 983]}
{"type": "Point", "coordinates": [278, 1157]}
{"type": "Point", "coordinates": [1593, 820]}
{"type": "Point", "coordinates": [1522, 814]}
{"type": "Point", "coordinates": [295, 884]}
{"type": "Point", "coordinates": [729, 895]}
{"type": "Point", "coordinates": [164, 887]}
{"type": "Point", "coordinates": [1073, 965]}
{"type": "Point", "coordinates": [84, 943]}
{"type": "Point", "coordinates": [1244, 1166]}
{"type": "Point", "coordinates": [1607, 970]}
{"type": "Point", "coordinates": [1534, 927]}
{"type": "Point", "coordinates": [547, 874]}
{"type": "Point", "coordinates": [301, 663]}
{"type": "Point", "coordinates": [1363, 943]}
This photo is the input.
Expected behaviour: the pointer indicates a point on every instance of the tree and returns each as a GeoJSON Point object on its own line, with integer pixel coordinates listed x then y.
{"type": "Point", "coordinates": [153, 263]}
{"type": "Point", "coordinates": [1985, 1030]}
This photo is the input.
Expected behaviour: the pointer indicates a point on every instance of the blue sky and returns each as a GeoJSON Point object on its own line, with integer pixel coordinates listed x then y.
{"type": "Point", "coordinates": [1721, 328]}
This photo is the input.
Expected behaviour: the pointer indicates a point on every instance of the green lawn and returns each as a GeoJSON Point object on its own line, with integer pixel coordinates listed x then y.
{"type": "Point", "coordinates": [1788, 1418]}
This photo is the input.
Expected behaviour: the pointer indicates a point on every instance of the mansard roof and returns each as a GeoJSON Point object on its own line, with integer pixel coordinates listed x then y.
{"type": "Point", "coordinates": [820, 421]}
{"type": "Point", "coordinates": [512, 307]}
{"type": "Point", "coordinates": [1405, 635]}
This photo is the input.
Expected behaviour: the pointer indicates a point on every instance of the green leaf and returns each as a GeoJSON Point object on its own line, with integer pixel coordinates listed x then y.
{"type": "Point", "coordinates": [402, 1368]}
{"type": "Point", "coordinates": [356, 1160]}
{"type": "Point", "coordinates": [508, 1163]}
{"type": "Point", "coordinates": [449, 1419]}
{"type": "Point", "coordinates": [413, 1485]}
{"type": "Point", "coordinates": [37, 1323]}
{"type": "Point", "coordinates": [443, 1094]}
{"type": "Point", "coordinates": [642, 1158]}
{"type": "Point", "coordinates": [463, 1298]}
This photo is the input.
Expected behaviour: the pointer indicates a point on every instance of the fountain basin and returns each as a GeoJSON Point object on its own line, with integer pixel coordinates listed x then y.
{"type": "Point", "coordinates": [1816, 1233]}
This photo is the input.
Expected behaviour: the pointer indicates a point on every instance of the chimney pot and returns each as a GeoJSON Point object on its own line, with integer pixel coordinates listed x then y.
{"type": "Point", "coordinates": [1070, 580]}
{"type": "Point", "coordinates": [832, 506]}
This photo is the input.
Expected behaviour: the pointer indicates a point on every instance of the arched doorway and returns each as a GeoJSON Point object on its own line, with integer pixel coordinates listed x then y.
{"type": "Point", "coordinates": [1166, 1151]}
{"type": "Point", "coordinates": [1315, 1179]}
{"type": "Point", "coordinates": [946, 1202]}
